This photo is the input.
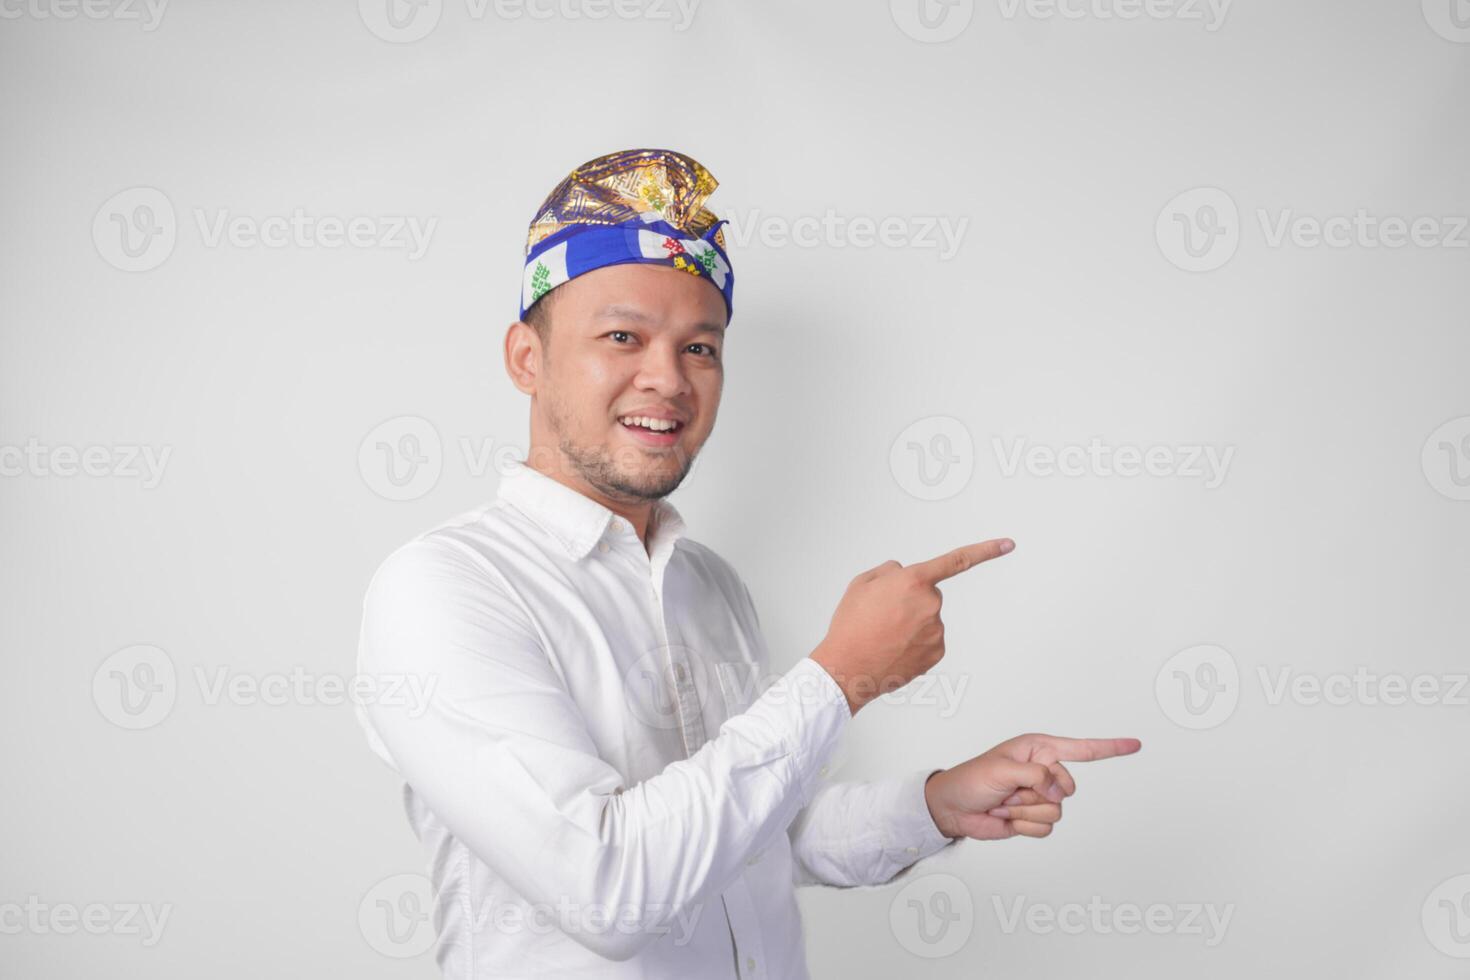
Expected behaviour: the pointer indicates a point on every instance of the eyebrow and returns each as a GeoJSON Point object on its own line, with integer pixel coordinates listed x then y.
{"type": "Point", "coordinates": [616, 312]}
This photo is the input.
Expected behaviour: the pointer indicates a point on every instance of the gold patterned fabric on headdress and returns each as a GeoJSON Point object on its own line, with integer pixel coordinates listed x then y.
{"type": "Point", "coordinates": [621, 186]}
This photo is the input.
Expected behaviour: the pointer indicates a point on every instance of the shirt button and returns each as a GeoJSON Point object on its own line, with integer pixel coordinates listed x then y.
{"type": "Point", "coordinates": [679, 671]}
{"type": "Point", "coordinates": [750, 963]}
{"type": "Point", "coordinates": [912, 850]}
{"type": "Point", "coordinates": [602, 546]}
{"type": "Point", "coordinates": [822, 771]}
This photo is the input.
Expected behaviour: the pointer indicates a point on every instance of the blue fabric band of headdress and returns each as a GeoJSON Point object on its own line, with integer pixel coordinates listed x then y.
{"type": "Point", "coordinates": [579, 249]}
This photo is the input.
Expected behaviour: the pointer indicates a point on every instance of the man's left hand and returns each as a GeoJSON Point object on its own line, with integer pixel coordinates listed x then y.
{"type": "Point", "coordinates": [1016, 787]}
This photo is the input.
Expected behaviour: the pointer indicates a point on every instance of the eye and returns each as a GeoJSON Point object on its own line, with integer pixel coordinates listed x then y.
{"type": "Point", "coordinates": [616, 333]}
{"type": "Point", "coordinates": [713, 354]}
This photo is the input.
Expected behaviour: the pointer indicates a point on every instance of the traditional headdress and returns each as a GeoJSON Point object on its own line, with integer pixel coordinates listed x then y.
{"type": "Point", "coordinates": [629, 206]}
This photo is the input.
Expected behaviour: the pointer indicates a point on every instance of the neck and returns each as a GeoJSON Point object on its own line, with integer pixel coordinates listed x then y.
{"type": "Point", "coordinates": [556, 465]}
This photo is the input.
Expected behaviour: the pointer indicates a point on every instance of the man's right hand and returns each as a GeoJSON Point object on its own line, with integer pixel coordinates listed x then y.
{"type": "Point", "coordinates": [886, 630]}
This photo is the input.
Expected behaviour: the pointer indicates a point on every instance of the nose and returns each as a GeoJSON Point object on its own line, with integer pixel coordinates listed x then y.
{"type": "Point", "coordinates": [662, 371]}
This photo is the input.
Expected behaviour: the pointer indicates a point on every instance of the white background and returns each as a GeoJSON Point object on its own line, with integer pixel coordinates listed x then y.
{"type": "Point", "coordinates": [1062, 139]}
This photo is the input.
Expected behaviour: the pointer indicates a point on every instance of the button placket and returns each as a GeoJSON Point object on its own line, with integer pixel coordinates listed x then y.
{"type": "Point", "coordinates": [691, 715]}
{"type": "Point", "coordinates": [750, 950]}
{"type": "Point", "coordinates": [686, 690]}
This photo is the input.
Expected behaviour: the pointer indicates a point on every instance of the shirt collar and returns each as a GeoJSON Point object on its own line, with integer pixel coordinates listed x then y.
{"type": "Point", "coordinates": [575, 521]}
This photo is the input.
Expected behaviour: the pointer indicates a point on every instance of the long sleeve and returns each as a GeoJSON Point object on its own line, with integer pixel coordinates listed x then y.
{"type": "Point", "coordinates": [864, 833]}
{"type": "Point", "coordinates": [501, 754]}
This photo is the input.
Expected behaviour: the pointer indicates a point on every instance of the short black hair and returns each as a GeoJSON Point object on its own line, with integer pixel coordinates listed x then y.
{"type": "Point", "coordinates": [539, 317]}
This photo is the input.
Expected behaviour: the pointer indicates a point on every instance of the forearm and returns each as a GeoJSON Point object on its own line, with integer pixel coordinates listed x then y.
{"type": "Point", "coordinates": [864, 833]}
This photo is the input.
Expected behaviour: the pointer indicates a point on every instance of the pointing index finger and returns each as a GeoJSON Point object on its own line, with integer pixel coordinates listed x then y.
{"type": "Point", "coordinates": [962, 559]}
{"type": "Point", "coordinates": [1092, 749]}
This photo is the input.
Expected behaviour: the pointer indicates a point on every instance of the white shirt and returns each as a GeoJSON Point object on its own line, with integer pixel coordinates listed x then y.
{"type": "Point", "coordinates": [604, 782]}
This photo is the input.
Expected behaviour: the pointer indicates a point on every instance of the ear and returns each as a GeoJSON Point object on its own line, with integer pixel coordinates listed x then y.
{"type": "Point", "coordinates": [523, 356]}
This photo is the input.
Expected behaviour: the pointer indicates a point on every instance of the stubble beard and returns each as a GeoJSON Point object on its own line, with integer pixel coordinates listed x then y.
{"type": "Point", "coordinates": [600, 469]}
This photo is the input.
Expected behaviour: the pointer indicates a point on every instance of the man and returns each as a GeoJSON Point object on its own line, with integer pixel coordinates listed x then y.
{"type": "Point", "coordinates": [602, 785]}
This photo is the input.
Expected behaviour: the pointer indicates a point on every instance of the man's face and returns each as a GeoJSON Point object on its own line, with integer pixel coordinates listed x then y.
{"type": "Point", "coordinates": [631, 340]}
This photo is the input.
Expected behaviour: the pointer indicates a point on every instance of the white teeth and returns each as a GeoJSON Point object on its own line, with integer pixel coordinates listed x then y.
{"type": "Point", "coordinates": [657, 425]}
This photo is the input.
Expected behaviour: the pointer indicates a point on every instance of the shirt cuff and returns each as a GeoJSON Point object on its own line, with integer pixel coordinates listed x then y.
{"type": "Point", "coordinates": [831, 716]}
{"type": "Point", "coordinates": [911, 832]}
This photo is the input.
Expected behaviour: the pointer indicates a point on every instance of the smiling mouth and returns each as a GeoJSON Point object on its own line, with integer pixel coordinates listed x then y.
{"type": "Point", "coordinates": [653, 437]}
